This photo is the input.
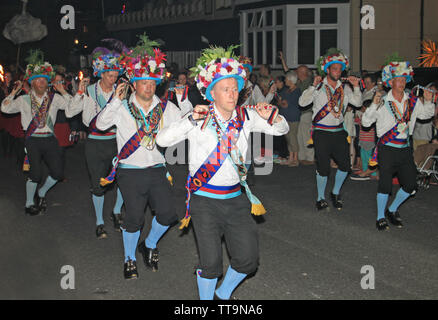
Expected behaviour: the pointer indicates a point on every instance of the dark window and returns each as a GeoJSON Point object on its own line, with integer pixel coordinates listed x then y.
{"type": "Point", "coordinates": [279, 14]}
{"type": "Point", "coordinates": [250, 17]}
{"type": "Point", "coordinates": [279, 42]}
{"type": "Point", "coordinates": [306, 46]}
{"type": "Point", "coordinates": [259, 17]}
{"type": "Point", "coordinates": [306, 16]}
{"type": "Point", "coordinates": [329, 15]}
{"type": "Point", "coordinates": [250, 44]}
{"type": "Point", "coordinates": [268, 19]}
{"type": "Point", "coordinates": [269, 47]}
{"type": "Point", "coordinates": [259, 47]}
{"type": "Point", "coordinates": [328, 39]}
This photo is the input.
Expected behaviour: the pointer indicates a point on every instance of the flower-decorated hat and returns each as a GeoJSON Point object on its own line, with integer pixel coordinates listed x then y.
{"type": "Point", "coordinates": [107, 58]}
{"type": "Point", "coordinates": [144, 62]}
{"type": "Point", "coordinates": [395, 67]}
{"type": "Point", "coordinates": [37, 67]}
{"type": "Point", "coordinates": [332, 56]}
{"type": "Point", "coordinates": [246, 62]}
{"type": "Point", "coordinates": [215, 64]}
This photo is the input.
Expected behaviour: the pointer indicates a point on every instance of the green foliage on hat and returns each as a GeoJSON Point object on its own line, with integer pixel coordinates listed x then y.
{"type": "Point", "coordinates": [213, 53]}
{"type": "Point", "coordinates": [35, 57]}
{"type": "Point", "coordinates": [144, 45]}
{"type": "Point", "coordinates": [394, 57]}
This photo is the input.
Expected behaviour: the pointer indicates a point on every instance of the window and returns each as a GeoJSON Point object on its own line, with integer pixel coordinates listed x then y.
{"type": "Point", "coordinates": [264, 30]}
{"type": "Point", "coordinates": [306, 46]}
{"type": "Point", "coordinates": [306, 16]}
{"type": "Point", "coordinates": [328, 39]}
{"type": "Point", "coordinates": [329, 15]}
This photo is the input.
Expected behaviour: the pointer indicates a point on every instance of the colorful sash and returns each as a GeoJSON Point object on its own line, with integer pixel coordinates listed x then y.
{"type": "Point", "coordinates": [328, 108]}
{"type": "Point", "coordinates": [147, 131]}
{"type": "Point", "coordinates": [227, 146]}
{"type": "Point", "coordinates": [390, 136]}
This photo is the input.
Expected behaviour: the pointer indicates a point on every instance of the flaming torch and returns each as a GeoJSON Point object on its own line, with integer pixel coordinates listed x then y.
{"type": "Point", "coordinates": [2, 74]}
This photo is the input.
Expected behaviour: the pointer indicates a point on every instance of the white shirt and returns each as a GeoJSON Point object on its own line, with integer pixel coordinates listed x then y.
{"type": "Point", "coordinates": [185, 106]}
{"type": "Point", "coordinates": [369, 94]}
{"type": "Point", "coordinates": [385, 119]}
{"type": "Point", "coordinates": [320, 99]}
{"type": "Point", "coordinates": [85, 103]}
{"type": "Point", "coordinates": [202, 143]}
{"type": "Point", "coordinates": [21, 104]}
{"type": "Point", "coordinates": [115, 114]}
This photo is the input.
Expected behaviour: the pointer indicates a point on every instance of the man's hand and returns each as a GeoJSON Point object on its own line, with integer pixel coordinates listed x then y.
{"type": "Point", "coordinates": [377, 99]}
{"type": "Point", "coordinates": [354, 81]}
{"type": "Point", "coordinates": [317, 81]}
{"type": "Point", "coordinates": [121, 90]}
{"type": "Point", "coordinates": [200, 111]}
{"type": "Point", "coordinates": [264, 110]}
{"type": "Point", "coordinates": [17, 87]}
{"type": "Point", "coordinates": [60, 88]}
{"type": "Point", "coordinates": [83, 84]}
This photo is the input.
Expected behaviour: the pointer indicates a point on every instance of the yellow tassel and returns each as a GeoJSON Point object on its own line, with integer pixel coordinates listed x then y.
{"type": "Point", "coordinates": [184, 223]}
{"type": "Point", "coordinates": [257, 209]}
{"type": "Point", "coordinates": [372, 163]}
{"type": "Point", "coordinates": [170, 178]}
{"type": "Point", "coordinates": [349, 139]}
{"type": "Point", "coordinates": [26, 167]}
{"type": "Point", "coordinates": [310, 142]}
{"type": "Point", "coordinates": [104, 182]}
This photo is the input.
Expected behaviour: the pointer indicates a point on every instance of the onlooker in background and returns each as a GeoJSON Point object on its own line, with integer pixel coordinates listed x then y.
{"type": "Point", "coordinates": [367, 143]}
{"type": "Point", "coordinates": [290, 110]}
{"type": "Point", "coordinates": [423, 130]}
{"type": "Point", "coordinates": [280, 144]}
{"type": "Point", "coordinates": [370, 87]}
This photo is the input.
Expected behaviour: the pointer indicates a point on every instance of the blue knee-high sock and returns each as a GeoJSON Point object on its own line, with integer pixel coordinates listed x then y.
{"type": "Point", "coordinates": [98, 208]}
{"type": "Point", "coordinates": [382, 200]}
{"type": "Point", "coordinates": [339, 181]}
{"type": "Point", "coordinates": [157, 231]}
{"type": "Point", "coordinates": [231, 281]}
{"type": "Point", "coordinates": [119, 202]}
{"type": "Point", "coordinates": [50, 182]}
{"type": "Point", "coordinates": [321, 183]}
{"type": "Point", "coordinates": [30, 192]}
{"type": "Point", "coordinates": [130, 240]}
{"type": "Point", "coordinates": [206, 287]}
{"type": "Point", "coordinates": [399, 199]}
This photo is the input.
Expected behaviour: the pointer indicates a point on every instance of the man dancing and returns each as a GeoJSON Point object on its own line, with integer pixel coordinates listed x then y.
{"type": "Point", "coordinates": [141, 172]}
{"type": "Point", "coordinates": [101, 146]}
{"type": "Point", "coordinates": [38, 115]}
{"type": "Point", "coordinates": [217, 149]}
{"type": "Point", "coordinates": [330, 100]}
{"type": "Point", "coordinates": [395, 116]}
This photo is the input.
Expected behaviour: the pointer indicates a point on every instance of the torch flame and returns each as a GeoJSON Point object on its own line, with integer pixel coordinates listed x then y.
{"type": "Point", "coordinates": [81, 75]}
{"type": "Point", "coordinates": [2, 78]}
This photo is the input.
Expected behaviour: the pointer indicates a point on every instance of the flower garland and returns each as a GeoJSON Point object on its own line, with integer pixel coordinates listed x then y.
{"type": "Point", "coordinates": [397, 69]}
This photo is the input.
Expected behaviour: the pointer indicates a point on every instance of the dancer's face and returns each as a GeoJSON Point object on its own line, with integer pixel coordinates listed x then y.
{"type": "Point", "coordinates": [398, 84]}
{"type": "Point", "coordinates": [40, 85]}
{"type": "Point", "coordinates": [225, 94]}
{"type": "Point", "coordinates": [145, 89]}
{"type": "Point", "coordinates": [335, 71]}
{"type": "Point", "coordinates": [109, 78]}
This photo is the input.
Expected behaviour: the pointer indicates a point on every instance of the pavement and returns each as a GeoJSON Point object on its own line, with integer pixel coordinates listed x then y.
{"type": "Point", "coordinates": [304, 254]}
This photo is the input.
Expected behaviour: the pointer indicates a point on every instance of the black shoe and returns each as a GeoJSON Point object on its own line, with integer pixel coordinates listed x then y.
{"type": "Point", "coordinates": [337, 201]}
{"type": "Point", "coordinates": [150, 256]}
{"type": "Point", "coordinates": [117, 220]}
{"type": "Point", "coordinates": [382, 224]}
{"type": "Point", "coordinates": [100, 232]}
{"type": "Point", "coordinates": [394, 218]}
{"type": "Point", "coordinates": [130, 270]}
{"type": "Point", "coordinates": [41, 203]}
{"type": "Point", "coordinates": [321, 204]}
{"type": "Point", "coordinates": [33, 210]}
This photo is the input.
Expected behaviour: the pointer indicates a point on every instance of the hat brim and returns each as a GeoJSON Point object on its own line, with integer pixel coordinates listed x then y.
{"type": "Point", "coordinates": [99, 74]}
{"type": "Point", "coordinates": [240, 84]}
{"type": "Point", "coordinates": [408, 79]}
{"type": "Point", "coordinates": [157, 80]}
{"type": "Point", "coordinates": [39, 76]}
{"type": "Point", "coordinates": [344, 66]}
{"type": "Point", "coordinates": [250, 68]}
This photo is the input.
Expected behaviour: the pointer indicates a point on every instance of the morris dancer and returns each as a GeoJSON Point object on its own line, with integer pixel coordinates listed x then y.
{"type": "Point", "coordinates": [330, 100]}
{"type": "Point", "coordinates": [217, 171]}
{"type": "Point", "coordinates": [395, 116]}
{"type": "Point", "coordinates": [141, 172]}
{"type": "Point", "coordinates": [38, 115]}
{"type": "Point", "coordinates": [101, 146]}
